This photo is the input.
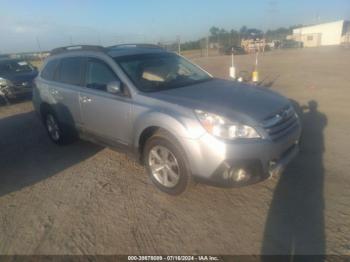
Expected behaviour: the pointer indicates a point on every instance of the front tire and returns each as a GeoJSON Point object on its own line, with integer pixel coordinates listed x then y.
{"type": "Point", "coordinates": [166, 164]}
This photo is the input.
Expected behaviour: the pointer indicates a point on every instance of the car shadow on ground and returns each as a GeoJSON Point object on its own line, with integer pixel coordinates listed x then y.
{"type": "Point", "coordinates": [10, 101]}
{"type": "Point", "coordinates": [295, 222]}
{"type": "Point", "coordinates": [27, 156]}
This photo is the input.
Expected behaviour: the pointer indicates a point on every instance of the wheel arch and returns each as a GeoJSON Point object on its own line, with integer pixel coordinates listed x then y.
{"type": "Point", "coordinates": [148, 132]}
{"type": "Point", "coordinates": [144, 136]}
{"type": "Point", "coordinates": [179, 126]}
{"type": "Point", "coordinates": [44, 109]}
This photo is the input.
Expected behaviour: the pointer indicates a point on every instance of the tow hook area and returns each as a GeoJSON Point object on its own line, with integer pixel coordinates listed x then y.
{"type": "Point", "coordinates": [277, 167]}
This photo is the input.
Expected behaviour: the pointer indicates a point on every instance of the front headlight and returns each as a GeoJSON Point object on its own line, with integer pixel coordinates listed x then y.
{"type": "Point", "coordinates": [224, 128]}
{"type": "Point", "coordinates": [4, 82]}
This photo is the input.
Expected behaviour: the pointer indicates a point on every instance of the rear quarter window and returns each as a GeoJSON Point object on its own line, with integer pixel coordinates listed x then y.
{"type": "Point", "coordinates": [49, 70]}
{"type": "Point", "coordinates": [70, 71]}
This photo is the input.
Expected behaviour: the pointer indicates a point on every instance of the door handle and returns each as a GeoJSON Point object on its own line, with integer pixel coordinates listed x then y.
{"type": "Point", "coordinates": [85, 99]}
{"type": "Point", "coordinates": [54, 92]}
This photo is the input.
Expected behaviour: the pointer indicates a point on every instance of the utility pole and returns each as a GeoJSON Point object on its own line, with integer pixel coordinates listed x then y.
{"type": "Point", "coordinates": [38, 43]}
{"type": "Point", "coordinates": [178, 45]}
{"type": "Point", "coordinates": [207, 46]}
{"type": "Point", "coordinates": [39, 47]}
{"type": "Point", "coordinates": [99, 38]}
{"type": "Point", "coordinates": [71, 39]}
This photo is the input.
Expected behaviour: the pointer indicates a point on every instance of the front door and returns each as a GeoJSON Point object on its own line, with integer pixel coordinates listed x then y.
{"type": "Point", "coordinates": [104, 114]}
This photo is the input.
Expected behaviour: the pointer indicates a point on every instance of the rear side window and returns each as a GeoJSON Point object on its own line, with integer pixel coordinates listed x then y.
{"type": "Point", "coordinates": [49, 70]}
{"type": "Point", "coordinates": [98, 75]}
{"type": "Point", "coordinates": [70, 70]}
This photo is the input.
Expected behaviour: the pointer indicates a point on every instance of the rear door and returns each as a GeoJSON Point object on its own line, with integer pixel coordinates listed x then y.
{"type": "Point", "coordinates": [104, 114]}
{"type": "Point", "coordinates": [65, 90]}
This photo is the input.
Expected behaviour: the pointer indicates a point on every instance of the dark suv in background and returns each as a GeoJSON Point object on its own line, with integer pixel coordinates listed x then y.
{"type": "Point", "coordinates": [16, 77]}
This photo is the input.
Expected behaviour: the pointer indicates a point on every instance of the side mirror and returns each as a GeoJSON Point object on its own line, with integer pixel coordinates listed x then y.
{"type": "Point", "coordinates": [114, 87]}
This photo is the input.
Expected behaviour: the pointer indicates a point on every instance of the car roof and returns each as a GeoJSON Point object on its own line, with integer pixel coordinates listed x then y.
{"type": "Point", "coordinates": [133, 51]}
{"type": "Point", "coordinates": [113, 51]}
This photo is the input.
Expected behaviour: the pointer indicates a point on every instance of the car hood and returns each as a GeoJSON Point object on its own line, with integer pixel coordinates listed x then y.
{"type": "Point", "coordinates": [20, 77]}
{"type": "Point", "coordinates": [227, 98]}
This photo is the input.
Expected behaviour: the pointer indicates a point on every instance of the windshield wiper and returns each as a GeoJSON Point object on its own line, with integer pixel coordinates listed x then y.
{"type": "Point", "coordinates": [174, 85]}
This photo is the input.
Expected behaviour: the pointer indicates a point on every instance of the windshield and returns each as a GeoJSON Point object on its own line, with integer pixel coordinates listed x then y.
{"type": "Point", "coordinates": [14, 66]}
{"type": "Point", "coordinates": [156, 72]}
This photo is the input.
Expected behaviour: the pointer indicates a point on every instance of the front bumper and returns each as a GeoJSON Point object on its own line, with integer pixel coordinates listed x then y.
{"type": "Point", "coordinates": [254, 172]}
{"type": "Point", "coordinates": [17, 90]}
{"type": "Point", "coordinates": [237, 164]}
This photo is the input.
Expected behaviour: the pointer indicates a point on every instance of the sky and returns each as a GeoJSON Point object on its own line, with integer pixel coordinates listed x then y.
{"type": "Point", "coordinates": [45, 24]}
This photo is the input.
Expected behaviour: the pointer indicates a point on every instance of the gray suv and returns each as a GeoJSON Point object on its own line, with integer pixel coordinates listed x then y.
{"type": "Point", "coordinates": [183, 124]}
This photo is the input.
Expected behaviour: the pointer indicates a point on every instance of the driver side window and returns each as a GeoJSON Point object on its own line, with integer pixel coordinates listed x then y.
{"type": "Point", "coordinates": [98, 75]}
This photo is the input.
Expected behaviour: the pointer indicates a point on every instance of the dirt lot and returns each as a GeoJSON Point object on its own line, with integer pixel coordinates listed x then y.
{"type": "Point", "coordinates": [85, 199]}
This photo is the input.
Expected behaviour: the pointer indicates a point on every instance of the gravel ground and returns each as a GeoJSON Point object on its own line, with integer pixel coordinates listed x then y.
{"type": "Point", "coordinates": [85, 199]}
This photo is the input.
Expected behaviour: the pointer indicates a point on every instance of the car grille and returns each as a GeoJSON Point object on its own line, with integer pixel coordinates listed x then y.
{"type": "Point", "coordinates": [281, 123]}
{"type": "Point", "coordinates": [21, 84]}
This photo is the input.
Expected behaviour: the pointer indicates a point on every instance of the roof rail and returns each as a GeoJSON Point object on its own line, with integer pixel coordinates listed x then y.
{"type": "Point", "coordinates": [64, 49]}
{"type": "Point", "coordinates": [140, 45]}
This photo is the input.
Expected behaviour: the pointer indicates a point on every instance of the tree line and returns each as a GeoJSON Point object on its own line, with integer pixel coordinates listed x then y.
{"type": "Point", "coordinates": [225, 38]}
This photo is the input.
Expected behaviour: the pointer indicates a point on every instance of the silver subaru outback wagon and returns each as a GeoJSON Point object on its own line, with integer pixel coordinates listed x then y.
{"type": "Point", "coordinates": [183, 124]}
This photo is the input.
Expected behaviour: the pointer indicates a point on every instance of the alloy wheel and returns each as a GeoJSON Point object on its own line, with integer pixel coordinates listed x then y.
{"type": "Point", "coordinates": [164, 166]}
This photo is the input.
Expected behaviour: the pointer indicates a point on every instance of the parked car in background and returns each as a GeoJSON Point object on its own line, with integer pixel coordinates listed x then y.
{"type": "Point", "coordinates": [178, 120]}
{"type": "Point", "coordinates": [16, 77]}
{"type": "Point", "coordinates": [289, 43]}
{"type": "Point", "coordinates": [237, 50]}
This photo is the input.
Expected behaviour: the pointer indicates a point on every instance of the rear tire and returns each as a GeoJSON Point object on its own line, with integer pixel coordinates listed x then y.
{"type": "Point", "coordinates": [166, 164]}
{"type": "Point", "coordinates": [56, 131]}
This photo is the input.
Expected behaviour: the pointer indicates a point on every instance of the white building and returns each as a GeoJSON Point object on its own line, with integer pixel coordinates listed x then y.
{"type": "Point", "coordinates": [334, 33]}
